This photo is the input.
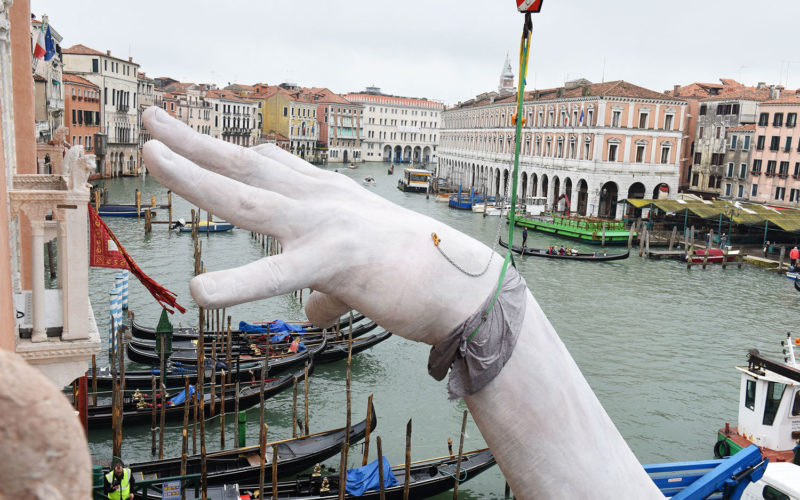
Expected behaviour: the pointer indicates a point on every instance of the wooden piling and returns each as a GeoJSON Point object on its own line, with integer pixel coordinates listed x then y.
{"type": "Point", "coordinates": [367, 431]}
{"type": "Point", "coordinates": [741, 258]}
{"type": "Point", "coordinates": [200, 380]}
{"type": "Point", "coordinates": [163, 390]}
{"type": "Point", "coordinates": [121, 353]}
{"type": "Point", "coordinates": [94, 380]}
{"type": "Point", "coordinates": [689, 255]}
{"type": "Point", "coordinates": [148, 221]}
{"type": "Point", "coordinates": [672, 237]}
{"type": "Point", "coordinates": [294, 409]}
{"type": "Point", "coordinates": [261, 410]}
{"type": "Point", "coordinates": [305, 377]}
{"type": "Point", "coordinates": [138, 204]}
{"type": "Point", "coordinates": [262, 448]}
{"type": "Point", "coordinates": [116, 409]}
{"type": "Point", "coordinates": [236, 412]}
{"type": "Point", "coordinates": [381, 484]}
{"type": "Point", "coordinates": [642, 230]}
{"type": "Point", "coordinates": [780, 258]}
{"type": "Point", "coordinates": [222, 413]}
{"type": "Point", "coordinates": [603, 241]}
{"type": "Point", "coordinates": [194, 422]}
{"type": "Point", "coordinates": [153, 424]}
{"type": "Point", "coordinates": [630, 234]}
{"type": "Point", "coordinates": [169, 204]}
{"type": "Point", "coordinates": [407, 483]}
{"type": "Point", "coordinates": [346, 444]}
{"type": "Point", "coordinates": [214, 378]}
{"type": "Point", "coordinates": [274, 472]}
{"type": "Point", "coordinates": [185, 433]}
{"type": "Point", "coordinates": [460, 454]}
{"type": "Point", "coordinates": [725, 257]}
{"type": "Point", "coordinates": [705, 259]}
{"type": "Point", "coordinates": [647, 244]}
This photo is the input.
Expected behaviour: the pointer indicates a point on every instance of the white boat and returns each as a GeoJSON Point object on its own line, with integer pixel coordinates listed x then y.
{"type": "Point", "coordinates": [444, 197]}
{"type": "Point", "coordinates": [369, 181]}
{"type": "Point", "coordinates": [769, 406]}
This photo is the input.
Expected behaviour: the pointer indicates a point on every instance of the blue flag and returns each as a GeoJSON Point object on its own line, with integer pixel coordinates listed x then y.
{"type": "Point", "coordinates": [49, 45]}
{"type": "Point", "coordinates": [581, 120]}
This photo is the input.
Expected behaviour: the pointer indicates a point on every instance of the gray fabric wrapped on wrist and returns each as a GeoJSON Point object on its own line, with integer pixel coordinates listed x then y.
{"type": "Point", "coordinates": [476, 362]}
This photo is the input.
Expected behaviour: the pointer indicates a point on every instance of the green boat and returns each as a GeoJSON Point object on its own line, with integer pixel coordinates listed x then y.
{"type": "Point", "coordinates": [585, 229]}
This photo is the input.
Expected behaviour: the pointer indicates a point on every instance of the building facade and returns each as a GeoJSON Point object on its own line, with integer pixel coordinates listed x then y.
{"type": "Point", "coordinates": [398, 129]}
{"type": "Point", "coordinates": [48, 86]}
{"type": "Point", "coordinates": [589, 145]}
{"type": "Point", "coordinates": [339, 124]}
{"type": "Point", "coordinates": [118, 81]}
{"type": "Point", "coordinates": [290, 110]}
{"type": "Point", "coordinates": [738, 155]}
{"type": "Point", "coordinates": [715, 116]}
{"type": "Point", "coordinates": [83, 109]}
{"type": "Point", "coordinates": [231, 117]}
{"type": "Point", "coordinates": [775, 172]}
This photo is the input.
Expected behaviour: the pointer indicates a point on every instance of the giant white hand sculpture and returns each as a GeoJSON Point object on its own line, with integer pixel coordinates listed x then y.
{"type": "Point", "coordinates": [548, 431]}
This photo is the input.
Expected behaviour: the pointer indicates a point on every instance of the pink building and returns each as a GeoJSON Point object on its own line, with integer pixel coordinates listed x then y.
{"type": "Point", "coordinates": [775, 172]}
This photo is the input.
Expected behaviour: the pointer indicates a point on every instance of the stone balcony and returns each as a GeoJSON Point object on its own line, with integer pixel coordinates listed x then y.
{"type": "Point", "coordinates": [56, 328]}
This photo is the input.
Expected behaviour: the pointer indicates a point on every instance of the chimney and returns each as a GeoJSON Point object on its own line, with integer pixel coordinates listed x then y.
{"type": "Point", "coordinates": [761, 85]}
{"type": "Point", "coordinates": [676, 90]}
{"type": "Point", "coordinates": [108, 52]}
{"type": "Point", "coordinates": [774, 93]}
{"type": "Point", "coordinates": [130, 58]}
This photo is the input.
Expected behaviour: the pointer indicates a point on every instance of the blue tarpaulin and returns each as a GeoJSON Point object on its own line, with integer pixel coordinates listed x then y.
{"type": "Point", "coordinates": [276, 326]}
{"type": "Point", "coordinates": [180, 398]}
{"type": "Point", "coordinates": [367, 478]}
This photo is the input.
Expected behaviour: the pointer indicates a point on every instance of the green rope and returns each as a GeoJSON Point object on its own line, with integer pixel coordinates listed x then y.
{"type": "Point", "coordinates": [524, 48]}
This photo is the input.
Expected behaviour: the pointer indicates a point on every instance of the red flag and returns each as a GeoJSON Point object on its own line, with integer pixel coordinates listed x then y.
{"type": "Point", "coordinates": [105, 250]}
{"type": "Point", "coordinates": [39, 49]}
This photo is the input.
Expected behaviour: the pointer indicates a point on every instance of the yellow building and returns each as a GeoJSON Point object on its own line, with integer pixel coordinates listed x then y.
{"type": "Point", "coordinates": [290, 111]}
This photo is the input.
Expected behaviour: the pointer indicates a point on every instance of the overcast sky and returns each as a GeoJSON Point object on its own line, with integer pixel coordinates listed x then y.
{"type": "Point", "coordinates": [439, 49]}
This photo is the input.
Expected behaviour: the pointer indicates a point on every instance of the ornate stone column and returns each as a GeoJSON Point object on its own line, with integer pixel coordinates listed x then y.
{"type": "Point", "coordinates": [36, 214]}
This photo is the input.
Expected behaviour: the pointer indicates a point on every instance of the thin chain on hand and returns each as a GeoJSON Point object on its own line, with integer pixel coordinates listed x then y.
{"type": "Point", "coordinates": [436, 242]}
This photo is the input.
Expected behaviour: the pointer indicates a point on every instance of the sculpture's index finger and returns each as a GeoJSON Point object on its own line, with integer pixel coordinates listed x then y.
{"type": "Point", "coordinates": [222, 157]}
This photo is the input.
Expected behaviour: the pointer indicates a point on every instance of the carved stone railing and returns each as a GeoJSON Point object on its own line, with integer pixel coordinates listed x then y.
{"type": "Point", "coordinates": [55, 327]}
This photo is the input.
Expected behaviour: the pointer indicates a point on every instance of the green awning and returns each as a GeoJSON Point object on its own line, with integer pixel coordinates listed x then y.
{"type": "Point", "coordinates": [741, 213]}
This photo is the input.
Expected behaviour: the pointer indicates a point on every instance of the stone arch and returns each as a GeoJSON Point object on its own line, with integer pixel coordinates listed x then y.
{"type": "Point", "coordinates": [556, 191]}
{"type": "Point", "coordinates": [524, 184]}
{"type": "Point", "coordinates": [582, 198]}
{"type": "Point", "coordinates": [661, 191]}
{"type": "Point", "coordinates": [387, 153]}
{"type": "Point", "coordinates": [635, 191]}
{"type": "Point", "coordinates": [398, 154]}
{"type": "Point", "coordinates": [534, 184]}
{"type": "Point", "coordinates": [544, 186]}
{"type": "Point", "coordinates": [407, 154]}
{"type": "Point", "coordinates": [568, 193]}
{"type": "Point", "coordinates": [609, 194]}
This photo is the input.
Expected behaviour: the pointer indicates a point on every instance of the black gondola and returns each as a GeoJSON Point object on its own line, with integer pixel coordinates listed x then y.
{"type": "Point", "coordinates": [243, 371]}
{"type": "Point", "coordinates": [146, 355]}
{"type": "Point", "coordinates": [242, 465]}
{"type": "Point", "coordinates": [337, 350]}
{"type": "Point", "coordinates": [138, 409]}
{"type": "Point", "coordinates": [585, 256]}
{"type": "Point", "coordinates": [183, 333]}
{"type": "Point", "coordinates": [427, 478]}
{"type": "Point", "coordinates": [243, 344]}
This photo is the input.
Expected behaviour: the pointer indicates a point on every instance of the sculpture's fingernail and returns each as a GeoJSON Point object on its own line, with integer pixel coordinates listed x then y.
{"type": "Point", "coordinates": [209, 286]}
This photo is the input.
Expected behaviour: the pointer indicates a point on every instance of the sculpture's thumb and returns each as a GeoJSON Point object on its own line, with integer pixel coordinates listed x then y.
{"type": "Point", "coordinates": [323, 310]}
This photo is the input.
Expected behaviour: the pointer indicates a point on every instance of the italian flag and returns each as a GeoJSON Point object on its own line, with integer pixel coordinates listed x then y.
{"type": "Point", "coordinates": [39, 49]}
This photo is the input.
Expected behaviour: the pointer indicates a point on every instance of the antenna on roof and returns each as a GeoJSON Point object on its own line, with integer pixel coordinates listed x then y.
{"type": "Point", "coordinates": [603, 79]}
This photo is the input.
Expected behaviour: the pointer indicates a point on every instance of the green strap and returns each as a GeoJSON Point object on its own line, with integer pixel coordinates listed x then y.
{"type": "Point", "coordinates": [523, 70]}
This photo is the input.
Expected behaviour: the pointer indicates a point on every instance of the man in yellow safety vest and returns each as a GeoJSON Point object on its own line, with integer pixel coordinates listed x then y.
{"type": "Point", "coordinates": [118, 484]}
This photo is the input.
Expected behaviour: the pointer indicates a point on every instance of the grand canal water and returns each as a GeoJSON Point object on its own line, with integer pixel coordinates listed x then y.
{"type": "Point", "coordinates": [657, 342]}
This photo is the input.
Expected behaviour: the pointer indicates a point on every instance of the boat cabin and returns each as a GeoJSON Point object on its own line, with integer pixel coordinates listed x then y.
{"type": "Point", "coordinates": [769, 403]}
{"type": "Point", "coordinates": [414, 180]}
{"type": "Point", "coordinates": [535, 205]}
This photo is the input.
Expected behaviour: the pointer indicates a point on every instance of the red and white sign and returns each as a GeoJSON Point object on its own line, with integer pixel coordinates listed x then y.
{"type": "Point", "coordinates": [529, 5]}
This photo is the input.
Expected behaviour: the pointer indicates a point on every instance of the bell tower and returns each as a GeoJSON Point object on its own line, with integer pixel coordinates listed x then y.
{"type": "Point", "coordinates": [506, 78]}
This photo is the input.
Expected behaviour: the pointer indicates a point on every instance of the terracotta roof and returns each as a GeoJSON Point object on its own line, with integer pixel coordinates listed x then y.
{"type": "Point", "coordinates": [229, 96]}
{"type": "Point", "coordinates": [83, 50]}
{"type": "Point", "coordinates": [325, 95]}
{"type": "Point", "coordinates": [71, 78]}
{"type": "Point", "coordinates": [390, 99]}
{"type": "Point", "coordinates": [619, 88]}
{"type": "Point", "coordinates": [786, 98]}
{"type": "Point", "coordinates": [141, 75]}
{"type": "Point", "coordinates": [742, 128]}
{"type": "Point", "coordinates": [741, 92]}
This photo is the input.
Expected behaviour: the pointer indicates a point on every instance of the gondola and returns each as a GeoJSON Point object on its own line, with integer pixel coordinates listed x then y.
{"type": "Point", "coordinates": [427, 478]}
{"type": "Point", "coordinates": [138, 408]}
{"type": "Point", "coordinates": [184, 333]}
{"type": "Point", "coordinates": [337, 350]}
{"type": "Point", "coordinates": [146, 355]}
{"type": "Point", "coordinates": [249, 370]}
{"type": "Point", "coordinates": [242, 343]}
{"type": "Point", "coordinates": [582, 256]}
{"type": "Point", "coordinates": [242, 465]}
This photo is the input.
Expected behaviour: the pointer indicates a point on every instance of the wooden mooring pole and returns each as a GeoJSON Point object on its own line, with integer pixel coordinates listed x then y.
{"type": "Point", "coordinates": [460, 454]}
{"type": "Point", "coordinates": [365, 460]}
{"type": "Point", "coordinates": [381, 483]}
{"type": "Point", "coordinates": [407, 483]}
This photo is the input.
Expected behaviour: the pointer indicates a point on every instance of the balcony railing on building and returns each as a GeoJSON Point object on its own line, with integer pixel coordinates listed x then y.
{"type": "Point", "coordinates": [55, 326]}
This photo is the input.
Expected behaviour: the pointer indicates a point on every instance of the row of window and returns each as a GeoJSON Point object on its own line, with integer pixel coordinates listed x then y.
{"type": "Point", "coordinates": [84, 117]}
{"type": "Point", "coordinates": [782, 168]}
{"type": "Point", "coordinates": [722, 109]}
{"type": "Point", "coordinates": [82, 140]}
{"type": "Point", "coordinates": [125, 69]}
{"type": "Point", "coordinates": [414, 112]}
{"type": "Point", "coordinates": [775, 143]}
{"type": "Point", "coordinates": [777, 120]}
{"type": "Point", "coordinates": [86, 93]}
